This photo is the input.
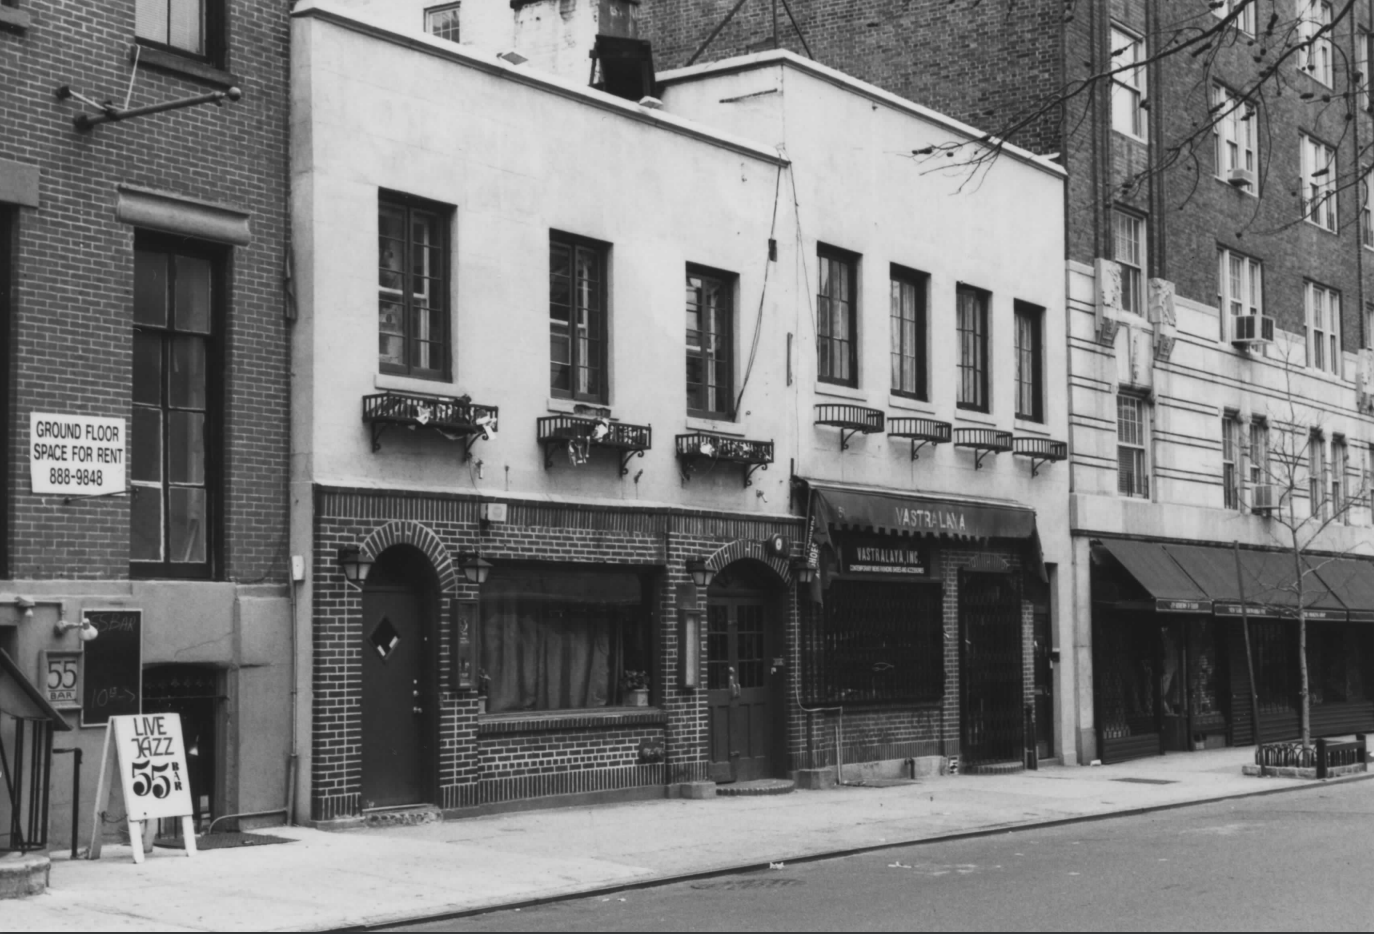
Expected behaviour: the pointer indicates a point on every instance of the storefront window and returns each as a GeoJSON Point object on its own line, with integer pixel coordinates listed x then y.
{"type": "Point", "coordinates": [556, 639]}
{"type": "Point", "coordinates": [1125, 671]}
{"type": "Point", "coordinates": [878, 642]}
{"type": "Point", "coordinates": [1336, 660]}
{"type": "Point", "coordinates": [1276, 671]}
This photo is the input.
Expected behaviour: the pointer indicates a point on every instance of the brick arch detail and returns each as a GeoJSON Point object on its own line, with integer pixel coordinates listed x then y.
{"type": "Point", "coordinates": [409, 532]}
{"type": "Point", "coordinates": [742, 548]}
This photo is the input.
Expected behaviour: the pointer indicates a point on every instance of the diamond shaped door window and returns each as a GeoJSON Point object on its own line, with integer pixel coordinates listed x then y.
{"type": "Point", "coordinates": [385, 638]}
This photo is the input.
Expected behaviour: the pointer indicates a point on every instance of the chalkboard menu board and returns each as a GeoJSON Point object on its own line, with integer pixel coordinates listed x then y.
{"type": "Point", "coordinates": [114, 666]}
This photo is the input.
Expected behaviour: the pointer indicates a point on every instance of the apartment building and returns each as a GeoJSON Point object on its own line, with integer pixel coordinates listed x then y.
{"type": "Point", "coordinates": [1218, 318]}
{"type": "Point", "coordinates": [145, 385]}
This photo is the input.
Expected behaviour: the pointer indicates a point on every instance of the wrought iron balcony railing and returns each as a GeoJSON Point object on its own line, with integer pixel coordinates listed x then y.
{"type": "Point", "coordinates": [700, 446]}
{"type": "Point", "coordinates": [579, 433]}
{"type": "Point", "coordinates": [1041, 451]}
{"type": "Point", "coordinates": [456, 418]}
{"type": "Point", "coordinates": [921, 431]}
{"type": "Point", "coordinates": [850, 419]}
{"type": "Point", "coordinates": [982, 441]}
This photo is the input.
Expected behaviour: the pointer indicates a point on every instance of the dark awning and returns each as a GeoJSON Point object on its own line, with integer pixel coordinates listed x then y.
{"type": "Point", "coordinates": [1173, 590]}
{"type": "Point", "coordinates": [913, 514]}
{"type": "Point", "coordinates": [1351, 580]}
{"type": "Point", "coordinates": [1269, 578]}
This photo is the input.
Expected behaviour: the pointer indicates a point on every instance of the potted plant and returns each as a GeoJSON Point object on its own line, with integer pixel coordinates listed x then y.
{"type": "Point", "coordinates": [634, 685]}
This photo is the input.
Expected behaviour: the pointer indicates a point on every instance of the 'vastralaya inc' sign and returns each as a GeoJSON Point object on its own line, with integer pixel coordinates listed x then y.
{"type": "Point", "coordinates": [885, 558]}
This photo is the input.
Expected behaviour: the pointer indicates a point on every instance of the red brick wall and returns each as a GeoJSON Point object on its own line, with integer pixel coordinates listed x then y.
{"type": "Point", "coordinates": [75, 265]}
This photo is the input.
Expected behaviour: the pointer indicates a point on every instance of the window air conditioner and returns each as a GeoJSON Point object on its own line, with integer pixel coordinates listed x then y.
{"type": "Point", "coordinates": [1264, 498]}
{"type": "Point", "coordinates": [1252, 330]}
{"type": "Point", "coordinates": [1240, 177]}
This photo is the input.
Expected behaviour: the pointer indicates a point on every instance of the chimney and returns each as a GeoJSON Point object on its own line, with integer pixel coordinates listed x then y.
{"type": "Point", "coordinates": [596, 41]}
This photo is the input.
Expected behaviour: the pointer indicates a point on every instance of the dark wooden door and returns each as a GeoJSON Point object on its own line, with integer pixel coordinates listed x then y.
{"type": "Point", "coordinates": [395, 703]}
{"type": "Point", "coordinates": [737, 689]}
{"type": "Point", "coordinates": [991, 666]}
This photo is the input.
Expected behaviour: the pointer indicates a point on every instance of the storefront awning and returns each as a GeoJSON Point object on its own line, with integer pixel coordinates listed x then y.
{"type": "Point", "coordinates": [1269, 580]}
{"type": "Point", "coordinates": [912, 514]}
{"type": "Point", "coordinates": [1172, 589]}
{"type": "Point", "coordinates": [1352, 581]}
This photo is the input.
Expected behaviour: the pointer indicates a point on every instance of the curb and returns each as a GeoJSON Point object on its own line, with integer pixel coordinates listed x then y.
{"type": "Point", "coordinates": [986, 831]}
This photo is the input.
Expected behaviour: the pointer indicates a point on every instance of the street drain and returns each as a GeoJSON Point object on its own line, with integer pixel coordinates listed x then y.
{"type": "Point", "coordinates": [1147, 781]}
{"type": "Point", "coordinates": [747, 884]}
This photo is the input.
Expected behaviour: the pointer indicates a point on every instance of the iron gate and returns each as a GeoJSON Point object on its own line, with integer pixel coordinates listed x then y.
{"type": "Point", "coordinates": [992, 663]}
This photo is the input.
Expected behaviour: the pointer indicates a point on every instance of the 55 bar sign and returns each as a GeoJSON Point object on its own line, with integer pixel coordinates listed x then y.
{"type": "Point", "coordinates": [76, 455]}
{"type": "Point", "coordinates": [151, 760]}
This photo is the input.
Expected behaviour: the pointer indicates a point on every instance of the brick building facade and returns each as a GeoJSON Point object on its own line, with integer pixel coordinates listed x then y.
{"type": "Point", "coordinates": [97, 223]}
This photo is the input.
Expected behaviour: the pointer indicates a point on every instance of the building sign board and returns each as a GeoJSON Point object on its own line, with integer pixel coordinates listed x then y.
{"type": "Point", "coordinates": [895, 557]}
{"type": "Point", "coordinates": [1182, 606]}
{"type": "Point", "coordinates": [152, 765]}
{"type": "Point", "coordinates": [76, 455]}
{"type": "Point", "coordinates": [60, 674]}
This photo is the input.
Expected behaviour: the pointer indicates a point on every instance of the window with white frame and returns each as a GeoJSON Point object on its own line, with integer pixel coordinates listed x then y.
{"type": "Point", "coordinates": [1244, 20]}
{"type": "Point", "coordinates": [1258, 454]}
{"type": "Point", "coordinates": [1240, 287]}
{"type": "Point", "coordinates": [1128, 248]}
{"type": "Point", "coordinates": [1230, 455]}
{"type": "Point", "coordinates": [1338, 468]}
{"type": "Point", "coordinates": [442, 21]}
{"type": "Point", "coordinates": [1314, 33]}
{"type": "Point", "coordinates": [1132, 476]}
{"type": "Point", "coordinates": [1234, 134]}
{"type": "Point", "coordinates": [1128, 83]}
{"type": "Point", "coordinates": [1318, 183]}
{"type": "Point", "coordinates": [1364, 43]}
{"type": "Point", "coordinates": [1316, 474]}
{"type": "Point", "coordinates": [1323, 328]}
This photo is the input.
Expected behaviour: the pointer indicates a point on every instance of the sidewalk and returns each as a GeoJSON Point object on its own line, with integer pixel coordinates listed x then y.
{"type": "Point", "coordinates": [381, 875]}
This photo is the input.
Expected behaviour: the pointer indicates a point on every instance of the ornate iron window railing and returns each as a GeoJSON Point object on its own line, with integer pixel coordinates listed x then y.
{"type": "Point", "coordinates": [983, 441]}
{"type": "Point", "coordinates": [921, 431]}
{"type": "Point", "coordinates": [458, 419]}
{"type": "Point", "coordinates": [850, 419]}
{"type": "Point", "coordinates": [1041, 451]}
{"type": "Point", "coordinates": [579, 433]}
{"type": "Point", "coordinates": [698, 446]}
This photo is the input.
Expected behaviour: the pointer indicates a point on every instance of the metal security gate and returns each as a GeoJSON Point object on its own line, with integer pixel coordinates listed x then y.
{"type": "Point", "coordinates": [991, 664]}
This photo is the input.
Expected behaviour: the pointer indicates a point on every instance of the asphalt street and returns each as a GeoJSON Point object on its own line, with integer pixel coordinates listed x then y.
{"type": "Point", "coordinates": [1301, 860]}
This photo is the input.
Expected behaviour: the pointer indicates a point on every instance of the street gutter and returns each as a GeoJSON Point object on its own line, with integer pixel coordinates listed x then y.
{"type": "Point", "coordinates": [741, 868]}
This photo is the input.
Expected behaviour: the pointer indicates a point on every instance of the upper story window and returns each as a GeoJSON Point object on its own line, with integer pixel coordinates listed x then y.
{"type": "Point", "coordinates": [174, 452]}
{"type": "Point", "coordinates": [1132, 471]}
{"type": "Point", "coordinates": [442, 21]}
{"type": "Point", "coordinates": [710, 325]}
{"type": "Point", "coordinates": [577, 318]}
{"type": "Point", "coordinates": [1258, 455]}
{"type": "Point", "coordinates": [836, 307]}
{"type": "Point", "coordinates": [1128, 245]}
{"type": "Point", "coordinates": [1230, 456]}
{"type": "Point", "coordinates": [1319, 183]}
{"type": "Point", "coordinates": [1339, 465]}
{"type": "Point", "coordinates": [1323, 328]}
{"type": "Point", "coordinates": [1240, 287]}
{"type": "Point", "coordinates": [1367, 211]}
{"type": "Point", "coordinates": [1316, 474]}
{"type": "Point", "coordinates": [189, 27]}
{"type": "Point", "coordinates": [412, 287]}
{"type": "Point", "coordinates": [1245, 20]}
{"type": "Point", "coordinates": [1128, 84]}
{"type": "Point", "coordinates": [1314, 31]}
{"type": "Point", "coordinates": [1364, 45]}
{"type": "Point", "coordinates": [1234, 135]}
{"type": "Point", "coordinates": [1030, 372]}
{"type": "Point", "coordinates": [972, 324]}
{"type": "Point", "coordinates": [908, 321]}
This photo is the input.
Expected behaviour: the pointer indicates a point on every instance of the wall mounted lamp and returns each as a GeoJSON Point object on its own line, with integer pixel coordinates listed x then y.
{"type": "Point", "coordinates": [475, 568]}
{"type": "Point", "coordinates": [803, 572]}
{"type": "Point", "coordinates": [355, 566]}
{"type": "Point", "coordinates": [701, 574]}
{"type": "Point", "coordinates": [87, 632]}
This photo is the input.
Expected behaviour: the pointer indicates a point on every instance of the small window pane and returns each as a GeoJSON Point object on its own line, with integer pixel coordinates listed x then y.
{"type": "Point", "coordinates": [150, 288]}
{"type": "Point", "coordinates": [150, 20]}
{"type": "Point", "coordinates": [145, 530]}
{"type": "Point", "coordinates": [184, 22]}
{"type": "Point", "coordinates": [145, 453]}
{"type": "Point", "coordinates": [193, 294]}
{"type": "Point", "coordinates": [186, 382]}
{"type": "Point", "coordinates": [147, 368]}
{"type": "Point", "coordinates": [391, 333]}
{"type": "Point", "coordinates": [185, 447]}
{"type": "Point", "coordinates": [186, 525]}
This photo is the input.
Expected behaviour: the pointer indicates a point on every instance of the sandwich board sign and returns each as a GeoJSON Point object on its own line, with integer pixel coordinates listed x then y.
{"type": "Point", "coordinates": [150, 758]}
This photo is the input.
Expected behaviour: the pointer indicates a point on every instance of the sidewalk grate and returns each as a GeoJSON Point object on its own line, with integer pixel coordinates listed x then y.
{"type": "Point", "coordinates": [1147, 781]}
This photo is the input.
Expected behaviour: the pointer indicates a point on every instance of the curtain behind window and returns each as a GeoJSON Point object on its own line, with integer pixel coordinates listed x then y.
{"type": "Point", "coordinates": [556, 640]}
